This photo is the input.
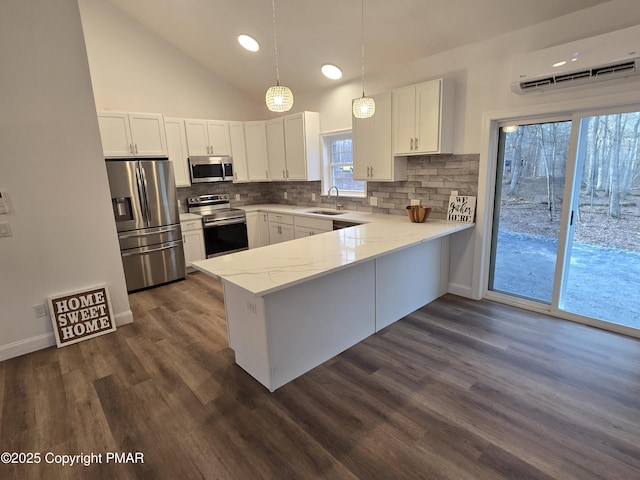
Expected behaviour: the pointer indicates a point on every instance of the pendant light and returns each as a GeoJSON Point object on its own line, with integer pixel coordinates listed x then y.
{"type": "Point", "coordinates": [279, 98]}
{"type": "Point", "coordinates": [363, 107]}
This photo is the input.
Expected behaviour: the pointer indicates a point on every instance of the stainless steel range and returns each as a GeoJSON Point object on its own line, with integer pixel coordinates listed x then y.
{"type": "Point", "coordinates": [225, 228]}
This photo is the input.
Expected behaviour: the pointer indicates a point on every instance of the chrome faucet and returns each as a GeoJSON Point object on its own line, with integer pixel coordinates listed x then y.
{"type": "Point", "coordinates": [338, 205]}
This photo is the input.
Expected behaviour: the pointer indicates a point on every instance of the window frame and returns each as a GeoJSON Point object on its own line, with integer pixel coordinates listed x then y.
{"type": "Point", "coordinates": [326, 140]}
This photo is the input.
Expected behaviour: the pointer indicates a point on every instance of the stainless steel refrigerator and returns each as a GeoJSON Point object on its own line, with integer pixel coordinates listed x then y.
{"type": "Point", "coordinates": [145, 206]}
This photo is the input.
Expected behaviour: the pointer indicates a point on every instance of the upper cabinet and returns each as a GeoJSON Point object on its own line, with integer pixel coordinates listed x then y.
{"type": "Point", "coordinates": [422, 119]}
{"type": "Point", "coordinates": [255, 134]}
{"type": "Point", "coordinates": [238, 152]}
{"type": "Point", "coordinates": [208, 137]}
{"type": "Point", "coordinates": [132, 134]}
{"type": "Point", "coordinates": [276, 149]}
{"type": "Point", "coordinates": [372, 155]}
{"type": "Point", "coordinates": [177, 150]}
{"type": "Point", "coordinates": [302, 146]}
{"type": "Point", "coordinates": [293, 143]}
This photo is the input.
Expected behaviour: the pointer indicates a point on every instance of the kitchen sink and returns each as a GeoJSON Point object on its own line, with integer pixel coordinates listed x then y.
{"type": "Point", "coordinates": [325, 212]}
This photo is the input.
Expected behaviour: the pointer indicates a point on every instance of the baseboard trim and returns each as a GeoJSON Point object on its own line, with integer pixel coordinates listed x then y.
{"type": "Point", "coordinates": [40, 342]}
{"type": "Point", "coordinates": [460, 290]}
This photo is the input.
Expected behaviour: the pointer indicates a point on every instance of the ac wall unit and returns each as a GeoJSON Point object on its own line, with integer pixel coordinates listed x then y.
{"type": "Point", "coordinates": [604, 57]}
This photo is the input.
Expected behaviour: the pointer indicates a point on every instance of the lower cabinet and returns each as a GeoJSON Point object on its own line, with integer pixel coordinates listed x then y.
{"type": "Point", "coordinates": [193, 240]}
{"type": "Point", "coordinates": [280, 227]}
{"type": "Point", "coordinates": [305, 226]}
{"type": "Point", "coordinates": [257, 229]}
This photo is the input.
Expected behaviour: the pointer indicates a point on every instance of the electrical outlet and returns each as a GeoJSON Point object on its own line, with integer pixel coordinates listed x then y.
{"type": "Point", "coordinates": [415, 201]}
{"type": "Point", "coordinates": [237, 196]}
{"type": "Point", "coordinates": [39, 310]}
{"type": "Point", "coordinates": [454, 193]}
{"type": "Point", "coordinates": [313, 197]}
{"type": "Point", "coordinates": [373, 201]}
{"type": "Point", "coordinates": [285, 195]}
{"type": "Point", "coordinates": [5, 230]}
{"type": "Point", "coordinates": [251, 307]}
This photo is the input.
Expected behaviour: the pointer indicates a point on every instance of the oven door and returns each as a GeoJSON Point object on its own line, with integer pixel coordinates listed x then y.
{"type": "Point", "coordinates": [225, 236]}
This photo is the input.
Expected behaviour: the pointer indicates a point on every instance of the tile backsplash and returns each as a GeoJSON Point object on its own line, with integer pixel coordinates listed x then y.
{"type": "Point", "coordinates": [430, 179]}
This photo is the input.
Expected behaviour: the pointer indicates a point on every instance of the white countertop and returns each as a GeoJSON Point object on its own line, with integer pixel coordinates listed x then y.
{"type": "Point", "coordinates": [185, 217]}
{"type": "Point", "coordinates": [267, 269]}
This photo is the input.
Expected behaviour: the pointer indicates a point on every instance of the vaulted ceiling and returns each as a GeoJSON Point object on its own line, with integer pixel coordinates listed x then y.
{"type": "Point", "coordinates": [313, 32]}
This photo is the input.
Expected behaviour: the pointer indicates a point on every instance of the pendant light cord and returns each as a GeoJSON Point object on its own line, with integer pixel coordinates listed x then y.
{"type": "Point", "coordinates": [275, 40]}
{"type": "Point", "coordinates": [362, 39]}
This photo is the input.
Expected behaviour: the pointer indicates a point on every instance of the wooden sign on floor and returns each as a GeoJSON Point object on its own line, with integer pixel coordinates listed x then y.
{"type": "Point", "coordinates": [81, 315]}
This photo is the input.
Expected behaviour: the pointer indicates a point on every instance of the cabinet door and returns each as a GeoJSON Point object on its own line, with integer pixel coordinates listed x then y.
{"type": "Point", "coordinates": [276, 149]}
{"type": "Point", "coordinates": [263, 226]}
{"type": "Point", "coordinates": [177, 150]}
{"type": "Point", "coordinates": [115, 134]}
{"type": "Point", "coordinates": [383, 165]}
{"type": "Point", "coordinates": [404, 120]}
{"type": "Point", "coordinates": [363, 133]}
{"type": "Point", "coordinates": [193, 246]}
{"type": "Point", "coordinates": [295, 147]}
{"type": "Point", "coordinates": [428, 97]}
{"type": "Point", "coordinates": [219, 140]}
{"type": "Point", "coordinates": [147, 134]}
{"type": "Point", "coordinates": [238, 152]}
{"type": "Point", "coordinates": [197, 137]}
{"type": "Point", "coordinates": [255, 135]}
{"type": "Point", "coordinates": [253, 229]}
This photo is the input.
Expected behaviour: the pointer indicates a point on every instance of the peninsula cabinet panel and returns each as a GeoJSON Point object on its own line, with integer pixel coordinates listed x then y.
{"type": "Point", "coordinates": [372, 153]}
{"type": "Point", "coordinates": [423, 118]}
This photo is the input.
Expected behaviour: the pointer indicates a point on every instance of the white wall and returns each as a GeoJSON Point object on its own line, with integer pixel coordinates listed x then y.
{"type": "Point", "coordinates": [482, 74]}
{"type": "Point", "coordinates": [53, 172]}
{"type": "Point", "coordinates": [133, 69]}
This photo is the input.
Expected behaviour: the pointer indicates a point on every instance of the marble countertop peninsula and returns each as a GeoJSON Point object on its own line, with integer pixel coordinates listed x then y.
{"type": "Point", "coordinates": [271, 268]}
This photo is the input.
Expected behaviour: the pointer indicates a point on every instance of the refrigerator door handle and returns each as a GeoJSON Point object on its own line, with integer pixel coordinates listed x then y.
{"type": "Point", "coordinates": [145, 233]}
{"type": "Point", "coordinates": [142, 192]}
{"type": "Point", "coordinates": [143, 250]}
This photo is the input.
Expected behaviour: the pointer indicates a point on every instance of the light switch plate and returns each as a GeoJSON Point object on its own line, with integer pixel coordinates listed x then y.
{"type": "Point", "coordinates": [285, 195]}
{"type": "Point", "coordinates": [415, 201]}
{"type": "Point", "coordinates": [237, 197]}
{"type": "Point", "coordinates": [373, 201]}
{"type": "Point", "coordinates": [313, 197]}
{"type": "Point", "coordinates": [5, 230]}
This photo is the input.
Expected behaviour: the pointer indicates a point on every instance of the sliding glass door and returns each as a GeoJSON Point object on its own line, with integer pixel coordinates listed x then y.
{"type": "Point", "coordinates": [528, 203]}
{"type": "Point", "coordinates": [601, 269]}
{"type": "Point", "coordinates": [566, 227]}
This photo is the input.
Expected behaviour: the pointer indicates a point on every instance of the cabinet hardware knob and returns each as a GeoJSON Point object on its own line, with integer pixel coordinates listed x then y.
{"type": "Point", "coordinates": [411, 147]}
{"type": "Point", "coordinates": [131, 148]}
{"type": "Point", "coordinates": [136, 147]}
{"type": "Point", "coordinates": [416, 143]}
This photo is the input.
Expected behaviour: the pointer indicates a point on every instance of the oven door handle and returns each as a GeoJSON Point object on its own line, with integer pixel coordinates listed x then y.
{"type": "Point", "coordinates": [222, 223]}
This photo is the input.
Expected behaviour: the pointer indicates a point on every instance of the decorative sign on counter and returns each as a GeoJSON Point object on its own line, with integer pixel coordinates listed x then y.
{"type": "Point", "coordinates": [461, 209]}
{"type": "Point", "coordinates": [81, 315]}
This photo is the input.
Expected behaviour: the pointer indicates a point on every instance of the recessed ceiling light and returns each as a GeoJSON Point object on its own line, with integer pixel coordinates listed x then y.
{"type": "Point", "coordinates": [331, 71]}
{"type": "Point", "coordinates": [248, 42]}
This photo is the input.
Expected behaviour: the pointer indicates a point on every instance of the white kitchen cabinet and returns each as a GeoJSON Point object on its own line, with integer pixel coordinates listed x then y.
{"type": "Point", "coordinates": [208, 137]}
{"type": "Point", "coordinates": [281, 228]}
{"type": "Point", "coordinates": [126, 134]}
{"type": "Point", "coordinates": [293, 144]}
{"type": "Point", "coordinates": [257, 229]}
{"type": "Point", "coordinates": [177, 150]}
{"type": "Point", "coordinates": [276, 149]}
{"type": "Point", "coordinates": [423, 118]}
{"type": "Point", "coordinates": [372, 153]}
{"type": "Point", "coordinates": [238, 152]}
{"type": "Point", "coordinates": [255, 135]}
{"type": "Point", "coordinates": [306, 227]}
{"type": "Point", "coordinates": [302, 146]}
{"type": "Point", "coordinates": [193, 241]}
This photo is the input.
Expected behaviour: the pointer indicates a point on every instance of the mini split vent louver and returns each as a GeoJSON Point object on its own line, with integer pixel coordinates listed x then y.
{"type": "Point", "coordinates": [605, 57]}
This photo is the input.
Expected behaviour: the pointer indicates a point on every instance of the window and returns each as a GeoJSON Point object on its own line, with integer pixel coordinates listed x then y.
{"type": "Point", "coordinates": [338, 165]}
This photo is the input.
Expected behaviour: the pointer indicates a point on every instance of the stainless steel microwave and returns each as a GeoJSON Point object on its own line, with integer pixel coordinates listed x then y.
{"type": "Point", "coordinates": [210, 169]}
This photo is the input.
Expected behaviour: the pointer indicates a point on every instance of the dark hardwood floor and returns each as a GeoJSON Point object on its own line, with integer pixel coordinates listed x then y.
{"type": "Point", "coordinates": [458, 390]}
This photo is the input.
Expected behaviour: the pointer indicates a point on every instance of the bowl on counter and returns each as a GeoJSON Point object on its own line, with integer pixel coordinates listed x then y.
{"type": "Point", "coordinates": [418, 213]}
